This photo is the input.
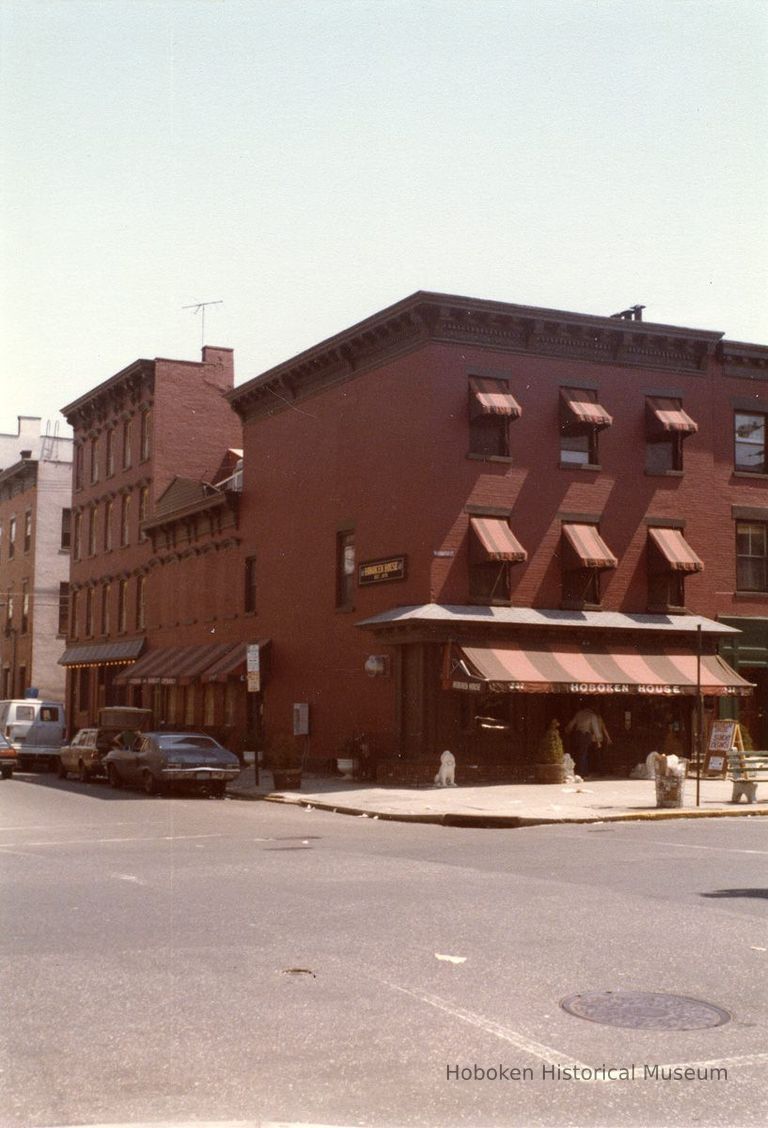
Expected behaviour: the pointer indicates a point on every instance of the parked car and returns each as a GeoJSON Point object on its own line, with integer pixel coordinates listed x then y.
{"type": "Point", "coordinates": [84, 755]}
{"type": "Point", "coordinates": [8, 760]}
{"type": "Point", "coordinates": [165, 759]}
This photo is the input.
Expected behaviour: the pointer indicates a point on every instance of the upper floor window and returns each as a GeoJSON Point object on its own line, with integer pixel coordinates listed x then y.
{"type": "Point", "coordinates": [28, 530]}
{"type": "Point", "coordinates": [141, 602]}
{"type": "Point", "coordinates": [106, 599]}
{"type": "Point", "coordinates": [143, 506]}
{"type": "Point", "coordinates": [250, 584]}
{"type": "Point", "coordinates": [73, 610]}
{"type": "Point", "coordinates": [491, 407]}
{"type": "Point", "coordinates": [751, 556]}
{"type": "Point", "coordinates": [493, 549]}
{"type": "Point", "coordinates": [122, 605]}
{"type": "Point", "coordinates": [24, 606]}
{"type": "Point", "coordinates": [582, 419]}
{"type": "Point", "coordinates": [79, 466]}
{"type": "Point", "coordinates": [108, 518]}
{"type": "Point", "coordinates": [76, 542]}
{"type": "Point", "coordinates": [345, 568]}
{"type": "Point", "coordinates": [92, 529]}
{"type": "Point", "coordinates": [127, 444]}
{"type": "Point", "coordinates": [63, 607]}
{"type": "Point", "coordinates": [145, 436]}
{"type": "Point", "coordinates": [110, 452]}
{"type": "Point", "coordinates": [88, 612]}
{"type": "Point", "coordinates": [9, 608]}
{"type": "Point", "coordinates": [666, 425]}
{"type": "Point", "coordinates": [749, 440]}
{"type": "Point", "coordinates": [94, 460]}
{"type": "Point", "coordinates": [66, 528]}
{"type": "Point", "coordinates": [585, 556]}
{"type": "Point", "coordinates": [11, 538]}
{"type": "Point", "coordinates": [125, 520]}
{"type": "Point", "coordinates": [670, 560]}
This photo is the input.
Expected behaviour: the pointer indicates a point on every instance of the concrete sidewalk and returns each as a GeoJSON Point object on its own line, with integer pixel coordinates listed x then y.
{"type": "Point", "coordinates": [501, 805]}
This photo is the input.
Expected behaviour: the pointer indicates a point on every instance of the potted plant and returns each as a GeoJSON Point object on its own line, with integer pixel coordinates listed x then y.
{"type": "Point", "coordinates": [548, 767]}
{"type": "Point", "coordinates": [285, 762]}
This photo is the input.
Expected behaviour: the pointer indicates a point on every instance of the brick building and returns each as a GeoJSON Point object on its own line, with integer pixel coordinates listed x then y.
{"type": "Point", "coordinates": [35, 493]}
{"type": "Point", "coordinates": [460, 517]}
{"type": "Point", "coordinates": [136, 436]}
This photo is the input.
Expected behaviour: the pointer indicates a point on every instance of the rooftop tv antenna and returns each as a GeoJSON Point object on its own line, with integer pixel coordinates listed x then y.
{"type": "Point", "coordinates": [200, 306]}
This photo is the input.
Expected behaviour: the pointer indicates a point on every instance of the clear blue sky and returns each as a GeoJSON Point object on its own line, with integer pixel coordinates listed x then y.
{"type": "Point", "coordinates": [311, 163]}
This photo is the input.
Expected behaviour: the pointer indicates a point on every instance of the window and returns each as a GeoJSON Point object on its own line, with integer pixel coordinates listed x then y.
{"type": "Point", "coordinates": [751, 556]}
{"type": "Point", "coordinates": [581, 588]}
{"type": "Point", "coordinates": [73, 610]}
{"type": "Point", "coordinates": [66, 528]}
{"type": "Point", "coordinates": [24, 606]}
{"type": "Point", "coordinates": [749, 438]}
{"type": "Point", "coordinates": [28, 530]}
{"type": "Point", "coordinates": [125, 520]}
{"type": "Point", "coordinates": [106, 594]}
{"type": "Point", "coordinates": [666, 425]}
{"type": "Point", "coordinates": [144, 438]}
{"type": "Point", "coordinates": [122, 605]}
{"type": "Point", "coordinates": [79, 466]}
{"type": "Point", "coordinates": [92, 532]}
{"type": "Point", "coordinates": [110, 452]}
{"type": "Point", "coordinates": [108, 517]}
{"type": "Point", "coordinates": [76, 541]}
{"type": "Point", "coordinates": [345, 568]}
{"type": "Point", "coordinates": [127, 441]}
{"type": "Point", "coordinates": [493, 549]}
{"type": "Point", "coordinates": [141, 596]}
{"type": "Point", "coordinates": [94, 461]}
{"type": "Point", "coordinates": [581, 420]}
{"type": "Point", "coordinates": [250, 583]}
{"type": "Point", "coordinates": [584, 556]}
{"type": "Point", "coordinates": [143, 503]}
{"type": "Point", "coordinates": [63, 607]}
{"type": "Point", "coordinates": [88, 612]}
{"type": "Point", "coordinates": [491, 407]}
{"type": "Point", "coordinates": [666, 590]}
{"type": "Point", "coordinates": [9, 608]}
{"type": "Point", "coordinates": [11, 538]}
{"type": "Point", "coordinates": [670, 559]}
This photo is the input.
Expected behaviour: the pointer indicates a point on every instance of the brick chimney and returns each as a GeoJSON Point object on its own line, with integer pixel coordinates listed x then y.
{"type": "Point", "coordinates": [221, 365]}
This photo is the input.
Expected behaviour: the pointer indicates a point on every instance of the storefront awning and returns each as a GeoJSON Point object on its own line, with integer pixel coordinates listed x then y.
{"type": "Point", "coordinates": [569, 668]}
{"type": "Point", "coordinates": [492, 397]}
{"type": "Point", "coordinates": [103, 653]}
{"type": "Point", "coordinates": [174, 665]}
{"type": "Point", "coordinates": [665, 416]}
{"type": "Point", "coordinates": [580, 409]}
{"type": "Point", "coordinates": [497, 540]}
{"type": "Point", "coordinates": [675, 550]}
{"type": "Point", "coordinates": [233, 662]}
{"type": "Point", "coordinates": [588, 549]}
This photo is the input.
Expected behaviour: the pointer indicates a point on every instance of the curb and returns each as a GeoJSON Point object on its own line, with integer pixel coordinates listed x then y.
{"type": "Point", "coordinates": [502, 822]}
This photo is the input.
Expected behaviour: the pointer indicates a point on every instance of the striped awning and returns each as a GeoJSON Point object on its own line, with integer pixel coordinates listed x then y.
{"type": "Point", "coordinates": [492, 397]}
{"type": "Point", "coordinates": [665, 416]}
{"type": "Point", "coordinates": [102, 653]}
{"type": "Point", "coordinates": [587, 547]}
{"type": "Point", "coordinates": [570, 668]}
{"type": "Point", "coordinates": [174, 665]}
{"type": "Point", "coordinates": [676, 554]}
{"type": "Point", "coordinates": [581, 409]}
{"type": "Point", "coordinates": [497, 540]}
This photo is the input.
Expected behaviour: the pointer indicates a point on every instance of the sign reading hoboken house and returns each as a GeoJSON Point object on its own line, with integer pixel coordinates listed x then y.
{"type": "Point", "coordinates": [379, 571]}
{"type": "Point", "coordinates": [601, 688]}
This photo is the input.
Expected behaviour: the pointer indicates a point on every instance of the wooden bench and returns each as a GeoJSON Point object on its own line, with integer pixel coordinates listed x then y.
{"type": "Point", "coordinates": [745, 770]}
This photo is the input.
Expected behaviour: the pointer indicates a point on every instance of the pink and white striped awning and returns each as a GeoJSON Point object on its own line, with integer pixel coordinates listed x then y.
{"type": "Point", "coordinates": [492, 397]}
{"type": "Point", "coordinates": [570, 668]}
{"type": "Point", "coordinates": [497, 539]}
{"type": "Point", "coordinates": [675, 550]}
{"type": "Point", "coordinates": [582, 409]}
{"type": "Point", "coordinates": [667, 415]}
{"type": "Point", "coordinates": [588, 547]}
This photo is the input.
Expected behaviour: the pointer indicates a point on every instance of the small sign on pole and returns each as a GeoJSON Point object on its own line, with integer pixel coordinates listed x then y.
{"type": "Point", "coordinates": [253, 667]}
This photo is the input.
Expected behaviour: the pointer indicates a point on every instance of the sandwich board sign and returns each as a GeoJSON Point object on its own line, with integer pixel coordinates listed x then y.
{"type": "Point", "coordinates": [723, 737]}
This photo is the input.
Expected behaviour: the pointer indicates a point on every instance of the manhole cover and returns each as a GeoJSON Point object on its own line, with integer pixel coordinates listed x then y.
{"type": "Point", "coordinates": [645, 1010]}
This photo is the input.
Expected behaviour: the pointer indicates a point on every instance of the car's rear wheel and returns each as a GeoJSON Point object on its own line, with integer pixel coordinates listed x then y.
{"type": "Point", "coordinates": [7, 771]}
{"type": "Point", "coordinates": [148, 782]}
{"type": "Point", "coordinates": [114, 776]}
{"type": "Point", "coordinates": [61, 771]}
{"type": "Point", "coordinates": [218, 789]}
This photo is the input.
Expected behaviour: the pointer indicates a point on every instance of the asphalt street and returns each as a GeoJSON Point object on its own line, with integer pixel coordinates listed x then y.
{"type": "Point", "coordinates": [192, 960]}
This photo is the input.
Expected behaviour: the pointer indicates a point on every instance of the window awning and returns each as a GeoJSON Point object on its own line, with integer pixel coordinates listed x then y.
{"type": "Point", "coordinates": [587, 548]}
{"type": "Point", "coordinates": [497, 539]}
{"type": "Point", "coordinates": [570, 668]}
{"type": "Point", "coordinates": [666, 416]}
{"type": "Point", "coordinates": [581, 410]}
{"type": "Point", "coordinates": [233, 661]}
{"type": "Point", "coordinates": [174, 665]}
{"type": "Point", "coordinates": [102, 653]}
{"type": "Point", "coordinates": [492, 397]}
{"type": "Point", "coordinates": [675, 552]}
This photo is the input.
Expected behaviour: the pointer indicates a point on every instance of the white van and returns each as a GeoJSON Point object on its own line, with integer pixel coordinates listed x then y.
{"type": "Point", "coordinates": [35, 728]}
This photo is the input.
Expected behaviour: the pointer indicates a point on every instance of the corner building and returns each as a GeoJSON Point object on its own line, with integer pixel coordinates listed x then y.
{"type": "Point", "coordinates": [464, 518]}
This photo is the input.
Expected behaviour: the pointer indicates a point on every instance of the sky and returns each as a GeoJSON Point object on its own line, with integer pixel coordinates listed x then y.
{"type": "Point", "coordinates": [306, 164]}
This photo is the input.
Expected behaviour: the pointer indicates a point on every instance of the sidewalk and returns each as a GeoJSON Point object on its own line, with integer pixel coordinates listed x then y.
{"type": "Point", "coordinates": [504, 804]}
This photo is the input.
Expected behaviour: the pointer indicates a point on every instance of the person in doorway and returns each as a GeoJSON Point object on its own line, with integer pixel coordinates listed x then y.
{"type": "Point", "coordinates": [588, 729]}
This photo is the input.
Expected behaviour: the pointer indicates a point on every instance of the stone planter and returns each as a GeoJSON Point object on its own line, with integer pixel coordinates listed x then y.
{"type": "Point", "coordinates": [286, 779]}
{"type": "Point", "coordinates": [548, 773]}
{"type": "Point", "coordinates": [346, 766]}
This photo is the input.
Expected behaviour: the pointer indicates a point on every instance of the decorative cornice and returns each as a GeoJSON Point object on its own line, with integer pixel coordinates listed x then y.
{"type": "Point", "coordinates": [119, 396]}
{"type": "Point", "coordinates": [744, 361]}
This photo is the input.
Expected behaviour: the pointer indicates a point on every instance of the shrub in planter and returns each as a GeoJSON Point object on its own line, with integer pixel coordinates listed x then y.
{"type": "Point", "coordinates": [548, 767]}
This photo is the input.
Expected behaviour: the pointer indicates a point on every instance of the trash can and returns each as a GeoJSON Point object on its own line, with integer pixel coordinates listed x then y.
{"type": "Point", "coordinates": [669, 785]}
